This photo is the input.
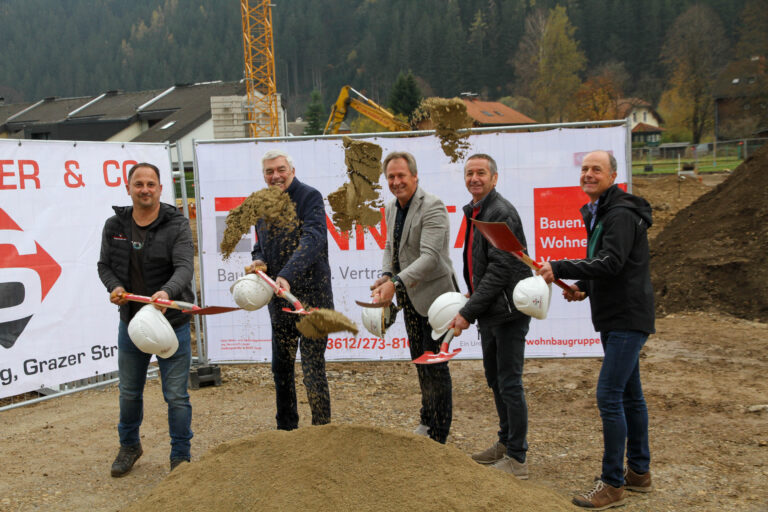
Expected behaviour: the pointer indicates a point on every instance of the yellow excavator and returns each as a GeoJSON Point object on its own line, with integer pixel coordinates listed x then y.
{"type": "Point", "coordinates": [366, 107]}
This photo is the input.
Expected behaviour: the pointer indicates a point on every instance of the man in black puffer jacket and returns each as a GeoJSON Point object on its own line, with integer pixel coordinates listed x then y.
{"type": "Point", "coordinates": [148, 249]}
{"type": "Point", "coordinates": [491, 275]}
{"type": "Point", "coordinates": [615, 276]}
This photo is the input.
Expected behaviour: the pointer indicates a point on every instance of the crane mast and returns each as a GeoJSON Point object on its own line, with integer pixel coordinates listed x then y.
{"type": "Point", "coordinates": [259, 58]}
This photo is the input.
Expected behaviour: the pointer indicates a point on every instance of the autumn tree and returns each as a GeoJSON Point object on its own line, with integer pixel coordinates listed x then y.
{"type": "Point", "coordinates": [315, 115]}
{"type": "Point", "coordinates": [549, 62]}
{"type": "Point", "coordinates": [597, 99]}
{"type": "Point", "coordinates": [694, 52]}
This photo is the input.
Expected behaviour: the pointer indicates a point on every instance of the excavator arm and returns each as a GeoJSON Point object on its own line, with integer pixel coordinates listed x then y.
{"type": "Point", "coordinates": [366, 107]}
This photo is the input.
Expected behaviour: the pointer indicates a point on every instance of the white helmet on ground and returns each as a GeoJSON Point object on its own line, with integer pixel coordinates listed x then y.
{"type": "Point", "coordinates": [532, 296]}
{"type": "Point", "coordinates": [251, 292]}
{"type": "Point", "coordinates": [151, 332]}
{"type": "Point", "coordinates": [377, 320]}
{"type": "Point", "coordinates": [443, 310]}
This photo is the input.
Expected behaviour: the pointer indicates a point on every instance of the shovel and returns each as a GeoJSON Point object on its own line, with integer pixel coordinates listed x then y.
{"type": "Point", "coordinates": [185, 307]}
{"type": "Point", "coordinates": [501, 237]}
{"type": "Point", "coordinates": [442, 356]}
{"type": "Point", "coordinates": [282, 293]}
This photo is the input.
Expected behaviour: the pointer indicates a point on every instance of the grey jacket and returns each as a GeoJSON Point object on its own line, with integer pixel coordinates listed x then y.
{"type": "Point", "coordinates": [425, 266]}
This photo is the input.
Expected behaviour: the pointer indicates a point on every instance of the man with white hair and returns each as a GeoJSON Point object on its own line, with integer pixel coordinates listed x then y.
{"type": "Point", "coordinates": [297, 259]}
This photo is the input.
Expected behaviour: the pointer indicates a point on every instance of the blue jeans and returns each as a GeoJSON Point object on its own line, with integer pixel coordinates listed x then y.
{"type": "Point", "coordinates": [174, 375]}
{"type": "Point", "coordinates": [622, 406]}
{"type": "Point", "coordinates": [503, 358]}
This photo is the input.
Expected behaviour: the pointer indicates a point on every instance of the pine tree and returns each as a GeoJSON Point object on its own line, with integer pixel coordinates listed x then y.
{"type": "Point", "coordinates": [405, 95]}
{"type": "Point", "coordinates": [315, 115]}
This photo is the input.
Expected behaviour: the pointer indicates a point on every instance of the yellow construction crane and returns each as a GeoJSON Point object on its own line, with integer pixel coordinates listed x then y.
{"type": "Point", "coordinates": [367, 107]}
{"type": "Point", "coordinates": [258, 49]}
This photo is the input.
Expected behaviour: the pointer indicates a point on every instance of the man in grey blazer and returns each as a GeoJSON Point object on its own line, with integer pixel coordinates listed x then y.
{"type": "Point", "coordinates": [416, 267]}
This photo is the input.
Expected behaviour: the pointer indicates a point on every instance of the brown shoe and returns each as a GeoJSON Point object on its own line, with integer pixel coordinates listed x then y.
{"type": "Point", "coordinates": [602, 496]}
{"type": "Point", "coordinates": [637, 482]}
{"type": "Point", "coordinates": [512, 466]}
{"type": "Point", "coordinates": [491, 455]}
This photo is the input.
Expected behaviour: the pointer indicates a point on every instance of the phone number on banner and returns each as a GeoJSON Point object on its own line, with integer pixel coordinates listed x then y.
{"type": "Point", "coordinates": [367, 343]}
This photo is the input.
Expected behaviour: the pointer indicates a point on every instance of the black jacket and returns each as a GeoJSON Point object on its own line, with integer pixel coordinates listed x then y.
{"type": "Point", "coordinates": [616, 273]}
{"type": "Point", "coordinates": [495, 272]}
{"type": "Point", "coordinates": [299, 256]}
{"type": "Point", "coordinates": [168, 257]}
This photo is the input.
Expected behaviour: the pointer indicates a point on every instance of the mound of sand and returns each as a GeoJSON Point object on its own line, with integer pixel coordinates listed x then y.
{"type": "Point", "coordinates": [713, 255]}
{"type": "Point", "coordinates": [342, 468]}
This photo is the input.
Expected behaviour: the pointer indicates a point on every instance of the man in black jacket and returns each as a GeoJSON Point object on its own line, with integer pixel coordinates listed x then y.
{"type": "Point", "coordinates": [297, 259]}
{"type": "Point", "coordinates": [148, 248]}
{"type": "Point", "coordinates": [615, 276]}
{"type": "Point", "coordinates": [491, 275]}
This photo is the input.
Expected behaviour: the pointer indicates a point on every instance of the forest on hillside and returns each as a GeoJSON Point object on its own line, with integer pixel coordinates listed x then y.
{"type": "Point", "coordinates": [519, 50]}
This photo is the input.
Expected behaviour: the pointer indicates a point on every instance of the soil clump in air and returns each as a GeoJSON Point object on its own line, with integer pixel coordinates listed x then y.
{"type": "Point", "coordinates": [342, 468]}
{"type": "Point", "coordinates": [321, 322]}
{"type": "Point", "coordinates": [271, 205]}
{"type": "Point", "coordinates": [448, 116]}
{"type": "Point", "coordinates": [713, 256]}
{"type": "Point", "coordinates": [357, 201]}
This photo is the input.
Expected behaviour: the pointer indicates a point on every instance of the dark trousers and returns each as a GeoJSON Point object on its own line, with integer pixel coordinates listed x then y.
{"type": "Point", "coordinates": [286, 339]}
{"type": "Point", "coordinates": [622, 406]}
{"type": "Point", "coordinates": [503, 357]}
{"type": "Point", "coordinates": [434, 379]}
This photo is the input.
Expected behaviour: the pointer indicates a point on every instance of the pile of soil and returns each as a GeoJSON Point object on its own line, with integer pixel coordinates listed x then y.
{"type": "Point", "coordinates": [357, 201]}
{"type": "Point", "coordinates": [448, 116]}
{"type": "Point", "coordinates": [713, 256]}
{"type": "Point", "coordinates": [321, 322]}
{"type": "Point", "coordinates": [343, 468]}
{"type": "Point", "coordinates": [271, 205]}
{"type": "Point", "coordinates": [668, 194]}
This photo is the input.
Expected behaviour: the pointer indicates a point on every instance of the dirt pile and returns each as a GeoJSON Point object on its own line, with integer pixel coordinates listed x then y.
{"type": "Point", "coordinates": [342, 468]}
{"type": "Point", "coordinates": [321, 322]}
{"type": "Point", "coordinates": [271, 205]}
{"type": "Point", "coordinates": [668, 194]}
{"type": "Point", "coordinates": [357, 201]}
{"type": "Point", "coordinates": [713, 256]}
{"type": "Point", "coordinates": [448, 116]}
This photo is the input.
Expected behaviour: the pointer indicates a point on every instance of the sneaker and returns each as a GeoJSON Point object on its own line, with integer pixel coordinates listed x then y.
{"type": "Point", "coordinates": [602, 496]}
{"type": "Point", "coordinates": [126, 458]}
{"type": "Point", "coordinates": [490, 455]}
{"type": "Point", "coordinates": [175, 463]}
{"type": "Point", "coordinates": [421, 430]}
{"type": "Point", "coordinates": [513, 467]}
{"type": "Point", "coordinates": [637, 482]}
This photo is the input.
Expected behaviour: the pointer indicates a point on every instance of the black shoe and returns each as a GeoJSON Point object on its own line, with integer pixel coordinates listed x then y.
{"type": "Point", "coordinates": [175, 463]}
{"type": "Point", "coordinates": [126, 458]}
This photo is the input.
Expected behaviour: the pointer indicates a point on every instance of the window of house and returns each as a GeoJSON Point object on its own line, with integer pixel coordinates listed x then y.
{"type": "Point", "coordinates": [634, 116]}
{"type": "Point", "coordinates": [735, 81]}
{"type": "Point", "coordinates": [645, 116]}
{"type": "Point", "coordinates": [751, 80]}
{"type": "Point", "coordinates": [168, 125]}
{"type": "Point", "coordinates": [486, 113]}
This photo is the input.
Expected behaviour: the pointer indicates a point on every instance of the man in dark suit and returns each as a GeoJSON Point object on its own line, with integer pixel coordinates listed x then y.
{"type": "Point", "coordinates": [416, 266]}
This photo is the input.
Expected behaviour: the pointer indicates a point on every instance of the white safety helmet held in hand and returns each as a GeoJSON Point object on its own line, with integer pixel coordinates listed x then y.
{"type": "Point", "coordinates": [532, 296]}
{"type": "Point", "coordinates": [377, 320]}
{"type": "Point", "coordinates": [151, 332]}
{"type": "Point", "coordinates": [443, 310]}
{"type": "Point", "coordinates": [251, 292]}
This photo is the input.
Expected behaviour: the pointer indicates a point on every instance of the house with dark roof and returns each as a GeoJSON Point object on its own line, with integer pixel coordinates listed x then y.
{"type": "Point", "coordinates": [645, 121]}
{"type": "Point", "coordinates": [8, 112]}
{"type": "Point", "coordinates": [741, 100]}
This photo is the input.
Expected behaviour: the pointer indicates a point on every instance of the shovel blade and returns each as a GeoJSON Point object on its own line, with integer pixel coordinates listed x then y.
{"type": "Point", "coordinates": [432, 358]}
{"type": "Point", "coordinates": [500, 236]}
{"type": "Point", "coordinates": [210, 310]}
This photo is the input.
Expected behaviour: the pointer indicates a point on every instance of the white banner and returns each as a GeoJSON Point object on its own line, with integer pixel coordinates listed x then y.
{"type": "Point", "coordinates": [538, 172]}
{"type": "Point", "coordinates": [56, 322]}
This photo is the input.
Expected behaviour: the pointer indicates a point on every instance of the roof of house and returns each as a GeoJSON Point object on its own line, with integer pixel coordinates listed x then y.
{"type": "Point", "coordinates": [183, 108]}
{"type": "Point", "coordinates": [114, 105]}
{"type": "Point", "coordinates": [47, 111]}
{"type": "Point", "coordinates": [494, 113]}
{"type": "Point", "coordinates": [7, 111]}
{"type": "Point", "coordinates": [742, 78]}
{"type": "Point", "coordinates": [643, 127]}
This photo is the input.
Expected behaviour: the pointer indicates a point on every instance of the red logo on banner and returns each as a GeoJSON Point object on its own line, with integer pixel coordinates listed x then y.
{"type": "Point", "coordinates": [16, 289]}
{"type": "Point", "coordinates": [559, 228]}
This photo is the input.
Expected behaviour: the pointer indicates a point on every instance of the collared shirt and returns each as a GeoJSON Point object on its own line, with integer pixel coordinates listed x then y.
{"type": "Point", "coordinates": [592, 213]}
{"type": "Point", "coordinates": [402, 213]}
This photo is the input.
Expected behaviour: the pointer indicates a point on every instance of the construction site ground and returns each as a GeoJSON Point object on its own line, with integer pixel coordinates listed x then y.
{"type": "Point", "coordinates": [704, 376]}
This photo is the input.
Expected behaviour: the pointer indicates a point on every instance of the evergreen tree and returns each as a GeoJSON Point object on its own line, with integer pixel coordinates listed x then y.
{"type": "Point", "coordinates": [315, 115]}
{"type": "Point", "coordinates": [405, 95]}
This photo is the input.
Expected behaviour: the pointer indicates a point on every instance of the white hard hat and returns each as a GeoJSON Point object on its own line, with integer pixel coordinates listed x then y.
{"type": "Point", "coordinates": [377, 320]}
{"type": "Point", "coordinates": [443, 310]}
{"type": "Point", "coordinates": [532, 296]}
{"type": "Point", "coordinates": [151, 332]}
{"type": "Point", "coordinates": [251, 292]}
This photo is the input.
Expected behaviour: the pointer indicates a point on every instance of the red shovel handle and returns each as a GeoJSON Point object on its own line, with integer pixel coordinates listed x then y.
{"type": "Point", "coordinates": [173, 304]}
{"type": "Point", "coordinates": [535, 266]}
{"type": "Point", "coordinates": [282, 292]}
